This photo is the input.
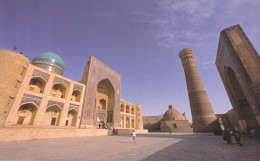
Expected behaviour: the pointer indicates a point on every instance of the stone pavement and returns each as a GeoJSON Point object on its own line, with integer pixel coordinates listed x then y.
{"type": "Point", "coordinates": [152, 147]}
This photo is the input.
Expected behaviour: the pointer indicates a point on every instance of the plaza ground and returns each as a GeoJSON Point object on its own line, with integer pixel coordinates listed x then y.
{"type": "Point", "coordinates": [152, 146]}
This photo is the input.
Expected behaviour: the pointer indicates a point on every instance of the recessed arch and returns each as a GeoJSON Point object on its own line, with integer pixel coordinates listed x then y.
{"type": "Point", "coordinates": [37, 84]}
{"type": "Point", "coordinates": [52, 115]}
{"type": "Point", "coordinates": [122, 122]}
{"type": "Point", "coordinates": [76, 94]}
{"type": "Point", "coordinates": [132, 111]}
{"type": "Point", "coordinates": [59, 90]}
{"type": "Point", "coordinates": [127, 123]}
{"type": "Point", "coordinates": [122, 108]}
{"type": "Point", "coordinates": [240, 102]}
{"type": "Point", "coordinates": [105, 100]}
{"type": "Point", "coordinates": [72, 117]}
{"type": "Point", "coordinates": [127, 109]}
{"type": "Point", "coordinates": [26, 114]}
{"type": "Point", "coordinates": [132, 123]}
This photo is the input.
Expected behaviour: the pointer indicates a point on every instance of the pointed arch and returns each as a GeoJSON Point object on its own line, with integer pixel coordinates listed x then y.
{"type": "Point", "coordinates": [37, 84]}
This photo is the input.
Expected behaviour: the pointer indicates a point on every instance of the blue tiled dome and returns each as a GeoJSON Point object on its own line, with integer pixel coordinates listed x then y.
{"type": "Point", "coordinates": [51, 58]}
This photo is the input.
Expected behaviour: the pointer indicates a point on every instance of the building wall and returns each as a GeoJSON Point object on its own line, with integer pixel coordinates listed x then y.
{"type": "Point", "coordinates": [95, 72]}
{"type": "Point", "coordinates": [152, 123]}
{"type": "Point", "coordinates": [45, 99]}
{"type": "Point", "coordinates": [238, 64]}
{"type": "Point", "coordinates": [127, 117]}
{"type": "Point", "coordinates": [13, 66]}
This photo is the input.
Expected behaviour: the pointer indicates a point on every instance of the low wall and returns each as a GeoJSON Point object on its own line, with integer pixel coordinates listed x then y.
{"type": "Point", "coordinates": [130, 131]}
{"type": "Point", "coordinates": [9, 134]}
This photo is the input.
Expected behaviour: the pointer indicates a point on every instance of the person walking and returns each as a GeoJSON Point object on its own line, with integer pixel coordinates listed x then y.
{"type": "Point", "coordinates": [134, 136]}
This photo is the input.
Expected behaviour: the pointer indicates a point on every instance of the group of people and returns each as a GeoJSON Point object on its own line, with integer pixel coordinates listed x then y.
{"type": "Point", "coordinates": [102, 126]}
{"type": "Point", "coordinates": [228, 134]}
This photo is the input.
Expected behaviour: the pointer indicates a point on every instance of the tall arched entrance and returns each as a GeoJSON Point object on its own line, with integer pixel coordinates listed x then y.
{"type": "Point", "coordinates": [105, 102]}
{"type": "Point", "coordinates": [26, 114]}
{"type": "Point", "coordinates": [240, 102]}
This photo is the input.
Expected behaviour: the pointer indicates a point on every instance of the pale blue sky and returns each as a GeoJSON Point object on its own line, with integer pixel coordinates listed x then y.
{"type": "Point", "coordinates": [138, 39]}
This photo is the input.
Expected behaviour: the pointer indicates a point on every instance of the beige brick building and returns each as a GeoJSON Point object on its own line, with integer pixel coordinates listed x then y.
{"type": "Point", "coordinates": [37, 95]}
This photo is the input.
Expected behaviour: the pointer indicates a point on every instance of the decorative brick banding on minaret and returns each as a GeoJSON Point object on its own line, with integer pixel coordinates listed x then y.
{"type": "Point", "coordinates": [201, 110]}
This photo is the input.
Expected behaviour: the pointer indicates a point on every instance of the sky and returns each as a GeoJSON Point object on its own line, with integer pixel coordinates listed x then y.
{"type": "Point", "coordinates": [138, 39]}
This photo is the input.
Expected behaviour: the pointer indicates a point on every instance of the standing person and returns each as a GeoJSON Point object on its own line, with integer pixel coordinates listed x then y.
{"type": "Point", "coordinates": [99, 125]}
{"type": "Point", "coordinates": [134, 136]}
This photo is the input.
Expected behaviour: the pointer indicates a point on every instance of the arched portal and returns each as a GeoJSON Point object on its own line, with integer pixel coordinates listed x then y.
{"type": "Point", "coordinates": [72, 118]}
{"type": "Point", "coordinates": [105, 102]}
{"type": "Point", "coordinates": [240, 102]}
{"type": "Point", "coordinates": [127, 123]}
{"type": "Point", "coordinates": [26, 114]}
{"type": "Point", "coordinates": [52, 115]}
{"type": "Point", "coordinates": [37, 85]}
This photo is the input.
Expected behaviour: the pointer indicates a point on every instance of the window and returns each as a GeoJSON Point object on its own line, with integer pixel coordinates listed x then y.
{"type": "Point", "coordinates": [174, 126]}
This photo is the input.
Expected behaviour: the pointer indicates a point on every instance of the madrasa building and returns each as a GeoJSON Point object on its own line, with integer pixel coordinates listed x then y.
{"type": "Point", "coordinates": [38, 95]}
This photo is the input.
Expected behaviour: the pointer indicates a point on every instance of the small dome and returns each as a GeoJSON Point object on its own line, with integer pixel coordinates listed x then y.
{"type": "Point", "coordinates": [172, 114]}
{"type": "Point", "coordinates": [51, 58]}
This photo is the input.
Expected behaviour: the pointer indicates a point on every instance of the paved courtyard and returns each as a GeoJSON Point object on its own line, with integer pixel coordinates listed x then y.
{"type": "Point", "coordinates": [152, 146]}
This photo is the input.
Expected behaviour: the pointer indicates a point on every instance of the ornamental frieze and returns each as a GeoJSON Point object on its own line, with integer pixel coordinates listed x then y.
{"type": "Point", "coordinates": [59, 80]}
{"type": "Point", "coordinates": [38, 73]}
{"type": "Point", "coordinates": [27, 98]}
{"type": "Point", "coordinates": [50, 103]}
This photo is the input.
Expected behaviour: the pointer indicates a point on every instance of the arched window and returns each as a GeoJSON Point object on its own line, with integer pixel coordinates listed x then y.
{"type": "Point", "coordinates": [37, 85]}
{"type": "Point", "coordinates": [122, 108]}
{"type": "Point", "coordinates": [76, 96]}
{"type": "Point", "coordinates": [58, 90]}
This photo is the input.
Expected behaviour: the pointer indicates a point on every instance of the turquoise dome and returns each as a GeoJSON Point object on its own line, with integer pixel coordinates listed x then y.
{"type": "Point", "coordinates": [50, 58]}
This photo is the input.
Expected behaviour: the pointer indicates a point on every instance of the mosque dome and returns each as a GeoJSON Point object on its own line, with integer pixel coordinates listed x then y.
{"type": "Point", "coordinates": [172, 114]}
{"type": "Point", "coordinates": [49, 61]}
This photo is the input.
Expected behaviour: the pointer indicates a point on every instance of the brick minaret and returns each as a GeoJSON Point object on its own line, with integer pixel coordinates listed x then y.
{"type": "Point", "coordinates": [201, 110]}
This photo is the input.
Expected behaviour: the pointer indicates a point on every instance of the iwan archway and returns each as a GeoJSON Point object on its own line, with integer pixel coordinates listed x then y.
{"type": "Point", "coordinates": [238, 64]}
{"type": "Point", "coordinates": [105, 102]}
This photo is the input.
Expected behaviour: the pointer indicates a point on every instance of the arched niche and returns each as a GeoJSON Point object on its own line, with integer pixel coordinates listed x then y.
{"type": "Point", "coordinates": [132, 111]}
{"type": "Point", "coordinates": [72, 117]}
{"type": "Point", "coordinates": [122, 108]}
{"type": "Point", "coordinates": [37, 84]}
{"type": "Point", "coordinates": [52, 115]}
{"type": "Point", "coordinates": [132, 123]}
{"type": "Point", "coordinates": [127, 123]}
{"type": "Point", "coordinates": [26, 114]}
{"type": "Point", "coordinates": [122, 122]}
{"type": "Point", "coordinates": [76, 94]}
{"type": "Point", "coordinates": [127, 109]}
{"type": "Point", "coordinates": [59, 91]}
